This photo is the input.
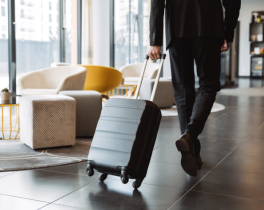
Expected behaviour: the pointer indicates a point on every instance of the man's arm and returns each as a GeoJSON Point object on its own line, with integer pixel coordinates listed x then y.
{"type": "Point", "coordinates": [232, 8]}
{"type": "Point", "coordinates": [156, 28]}
{"type": "Point", "coordinates": [156, 22]}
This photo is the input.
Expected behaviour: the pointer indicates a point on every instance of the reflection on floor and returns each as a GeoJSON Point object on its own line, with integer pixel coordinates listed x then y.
{"type": "Point", "coordinates": [246, 82]}
{"type": "Point", "coordinates": [230, 178]}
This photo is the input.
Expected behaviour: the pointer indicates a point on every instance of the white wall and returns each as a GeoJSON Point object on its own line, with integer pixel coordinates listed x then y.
{"type": "Point", "coordinates": [245, 17]}
{"type": "Point", "coordinates": [101, 32]}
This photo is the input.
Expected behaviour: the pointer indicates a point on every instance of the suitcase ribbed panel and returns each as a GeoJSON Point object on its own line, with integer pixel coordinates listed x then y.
{"type": "Point", "coordinates": [112, 135]}
{"type": "Point", "coordinates": [116, 126]}
{"type": "Point", "coordinates": [116, 132]}
{"type": "Point", "coordinates": [123, 136]}
{"type": "Point", "coordinates": [120, 145]}
{"type": "Point", "coordinates": [113, 160]}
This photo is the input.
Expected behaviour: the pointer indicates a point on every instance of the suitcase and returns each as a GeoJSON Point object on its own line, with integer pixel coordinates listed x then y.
{"type": "Point", "coordinates": [125, 136]}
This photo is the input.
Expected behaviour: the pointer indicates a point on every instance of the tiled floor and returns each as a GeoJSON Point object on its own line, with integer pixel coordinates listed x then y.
{"type": "Point", "coordinates": [231, 177]}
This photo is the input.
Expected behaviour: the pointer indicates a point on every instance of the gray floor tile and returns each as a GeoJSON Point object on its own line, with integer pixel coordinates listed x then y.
{"type": "Point", "coordinates": [234, 183]}
{"type": "Point", "coordinates": [15, 203]}
{"type": "Point", "coordinates": [170, 175]}
{"type": "Point", "coordinates": [238, 161]}
{"type": "Point", "coordinates": [5, 173]}
{"type": "Point", "coordinates": [169, 154]}
{"type": "Point", "coordinates": [207, 201]}
{"type": "Point", "coordinates": [113, 195]}
{"type": "Point", "coordinates": [254, 147]}
{"type": "Point", "coordinates": [232, 101]}
{"type": "Point", "coordinates": [61, 207]}
{"type": "Point", "coordinates": [40, 185]}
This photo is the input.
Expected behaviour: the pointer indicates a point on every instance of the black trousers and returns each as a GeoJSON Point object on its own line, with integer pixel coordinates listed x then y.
{"type": "Point", "coordinates": [193, 110]}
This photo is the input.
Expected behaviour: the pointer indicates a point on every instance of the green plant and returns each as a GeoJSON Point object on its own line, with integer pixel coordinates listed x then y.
{"type": "Point", "coordinates": [5, 90]}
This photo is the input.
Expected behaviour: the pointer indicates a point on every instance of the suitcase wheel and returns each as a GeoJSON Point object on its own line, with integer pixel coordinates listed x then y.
{"type": "Point", "coordinates": [89, 170]}
{"type": "Point", "coordinates": [124, 179]}
{"type": "Point", "coordinates": [102, 177]}
{"type": "Point", "coordinates": [124, 175]}
{"type": "Point", "coordinates": [137, 183]}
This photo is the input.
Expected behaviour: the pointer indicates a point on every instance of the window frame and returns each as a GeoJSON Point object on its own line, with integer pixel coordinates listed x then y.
{"type": "Point", "coordinates": [12, 61]}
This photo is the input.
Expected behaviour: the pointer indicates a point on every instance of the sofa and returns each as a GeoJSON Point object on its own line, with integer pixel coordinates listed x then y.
{"type": "Point", "coordinates": [50, 81]}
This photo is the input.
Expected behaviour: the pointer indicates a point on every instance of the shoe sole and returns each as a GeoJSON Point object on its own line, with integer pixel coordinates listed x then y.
{"type": "Point", "coordinates": [187, 162]}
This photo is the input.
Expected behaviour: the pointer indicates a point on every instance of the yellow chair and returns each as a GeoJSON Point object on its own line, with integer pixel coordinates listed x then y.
{"type": "Point", "coordinates": [102, 78]}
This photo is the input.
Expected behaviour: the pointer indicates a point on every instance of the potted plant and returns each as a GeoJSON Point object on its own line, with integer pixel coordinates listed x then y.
{"type": "Point", "coordinates": [5, 96]}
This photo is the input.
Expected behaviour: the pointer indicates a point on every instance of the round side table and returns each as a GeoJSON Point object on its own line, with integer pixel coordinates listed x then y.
{"type": "Point", "coordinates": [10, 128]}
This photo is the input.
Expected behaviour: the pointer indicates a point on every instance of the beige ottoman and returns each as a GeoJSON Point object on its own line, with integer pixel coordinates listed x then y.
{"type": "Point", "coordinates": [47, 121]}
{"type": "Point", "coordinates": [164, 97]}
{"type": "Point", "coordinates": [88, 110]}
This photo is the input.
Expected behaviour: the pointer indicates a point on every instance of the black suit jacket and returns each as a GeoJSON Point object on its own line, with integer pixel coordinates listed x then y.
{"type": "Point", "coordinates": [193, 18]}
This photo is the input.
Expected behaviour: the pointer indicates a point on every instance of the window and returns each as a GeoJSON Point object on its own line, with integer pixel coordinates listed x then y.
{"type": "Point", "coordinates": [30, 4]}
{"type": "Point", "coordinates": [36, 48]}
{"type": "Point", "coordinates": [3, 11]}
{"type": "Point", "coordinates": [131, 31]}
{"type": "Point", "coordinates": [70, 31]}
{"type": "Point", "coordinates": [39, 41]}
{"type": "Point", "coordinates": [4, 75]}
{"type": "Point", "coordinates": [22, 13]}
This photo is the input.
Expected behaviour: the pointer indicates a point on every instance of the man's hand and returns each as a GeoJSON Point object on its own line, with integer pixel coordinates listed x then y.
{"type": "Point", "coordinates": [154, 52]}
{"type": "Point", "coordinates": [225, 46]}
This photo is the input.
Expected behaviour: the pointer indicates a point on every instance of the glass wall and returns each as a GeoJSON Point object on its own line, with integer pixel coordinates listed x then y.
{"type": "Point", "coordinates": [131, 31]}
{"type": "Point", "coordinates": [4, 79]}
{"type": "Point", "coordinates": [37, 34]}
{"type": "Point", "coordinates": [70, 30]}
{"type": "Point", "coordinates": [46, 32]}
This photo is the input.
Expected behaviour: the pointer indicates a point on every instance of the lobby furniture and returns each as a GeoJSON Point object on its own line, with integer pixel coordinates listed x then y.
{"type": "Point", "coordinates": [101, 78]}
{"type": "Point", "coordinates": [88, 110]}
{"type": "Point", "coordinates": [57, 64]}
{"type": "Point", "coordinates": [47, 121]}
{"type": "Point", "coordinates": [131, 72]}
{"type": "Point", "coordinates": [7, 126]}
{"type": "Point", "coordinates": [51, 81]}
{"type": "Point", "coordinates": [164, 96]}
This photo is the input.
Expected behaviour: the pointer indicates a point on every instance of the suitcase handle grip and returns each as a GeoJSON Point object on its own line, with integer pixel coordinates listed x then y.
{"type": "Point", "coordinates": [162, 58]}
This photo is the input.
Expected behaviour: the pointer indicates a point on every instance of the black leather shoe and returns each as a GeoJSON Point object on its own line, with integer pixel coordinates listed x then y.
{"type": "Point", "coordinates": [185, 146]}
{"type": "Point", "coordinates": [197, 149]}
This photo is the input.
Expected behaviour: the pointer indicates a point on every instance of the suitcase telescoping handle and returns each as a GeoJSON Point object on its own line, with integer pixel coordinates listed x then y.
{"type": "Point", "coordinates": [162, 58]}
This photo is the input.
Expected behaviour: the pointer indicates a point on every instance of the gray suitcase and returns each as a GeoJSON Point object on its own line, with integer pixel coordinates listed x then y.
{"type": "Point", "coordinates": [125, 136]}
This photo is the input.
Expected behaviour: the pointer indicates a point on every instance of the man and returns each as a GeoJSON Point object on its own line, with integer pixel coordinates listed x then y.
{"type": "Point", "coordinates": [195, 31]}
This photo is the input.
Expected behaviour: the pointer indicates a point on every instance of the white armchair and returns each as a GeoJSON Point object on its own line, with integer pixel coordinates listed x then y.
{"type": "Point", "coordinates": [51, 81]}
{"type": "Point", "coordinates": [131, 72]}
{"type": "Point", "coordinates": [57, 64]}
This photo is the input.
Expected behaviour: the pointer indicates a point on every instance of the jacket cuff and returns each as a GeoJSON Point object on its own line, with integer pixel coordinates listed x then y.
{"type": "Point", "coordinates": [229, 36]}
{"type": "Point", "coordinates": [156, 41]}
